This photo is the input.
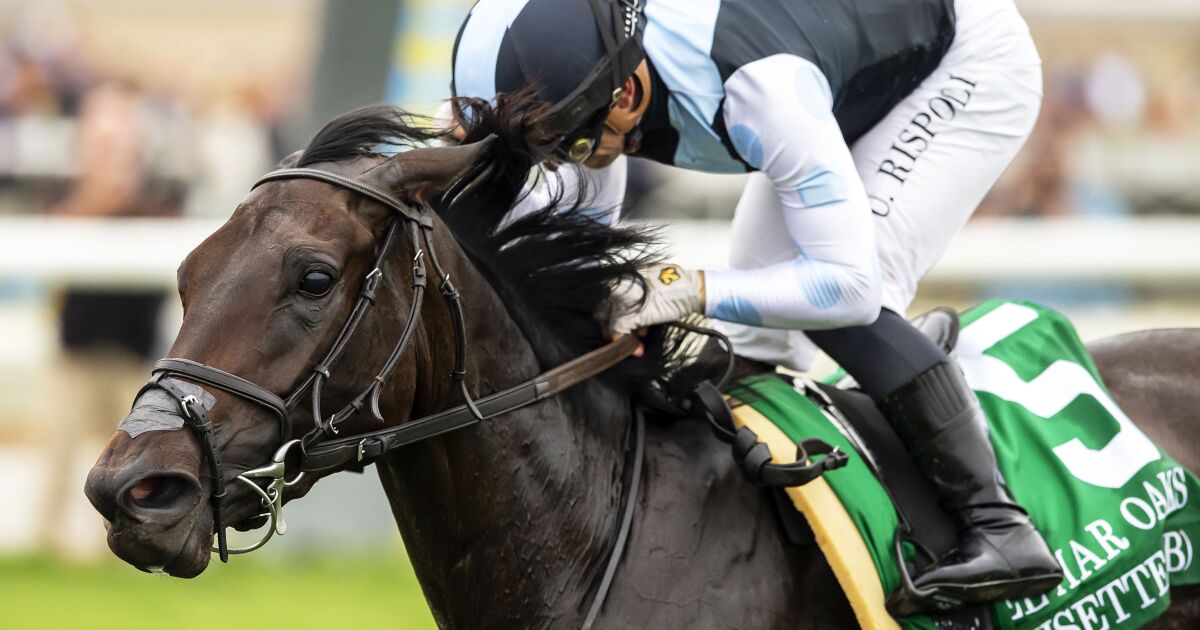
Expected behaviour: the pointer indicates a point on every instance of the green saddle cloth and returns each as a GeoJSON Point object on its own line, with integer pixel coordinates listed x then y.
{"type": "Point", "coordinates": [1114, 507]}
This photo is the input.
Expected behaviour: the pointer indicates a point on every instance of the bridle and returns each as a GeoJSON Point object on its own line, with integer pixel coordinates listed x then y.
{"type": "Point", "coordinates": [323, 449]}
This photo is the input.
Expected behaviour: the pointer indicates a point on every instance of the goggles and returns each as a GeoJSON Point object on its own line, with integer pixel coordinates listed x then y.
{"type": "Point", "coordinates": [579, 117]}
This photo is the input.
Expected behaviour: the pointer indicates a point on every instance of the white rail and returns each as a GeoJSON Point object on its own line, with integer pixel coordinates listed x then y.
{"type": "Point", "coordinates": [112, 252]}
{"type": "Point", "coordinates": [146, 252]}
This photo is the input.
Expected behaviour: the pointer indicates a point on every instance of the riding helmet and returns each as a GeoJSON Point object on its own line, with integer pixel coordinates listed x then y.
{"type": "Point", "coordinates": [575, 54]}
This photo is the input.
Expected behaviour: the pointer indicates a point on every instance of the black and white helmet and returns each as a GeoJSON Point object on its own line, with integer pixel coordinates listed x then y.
{"type": "Point", "coordinates": [576, 54]}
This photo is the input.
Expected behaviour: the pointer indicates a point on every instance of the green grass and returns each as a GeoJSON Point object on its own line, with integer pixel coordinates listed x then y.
{"type": "Point", "coordinates": [377, 591]}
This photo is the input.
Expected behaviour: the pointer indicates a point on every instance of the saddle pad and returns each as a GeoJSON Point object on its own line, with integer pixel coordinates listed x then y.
{"type": "Point", "coordinates": [1115, 509]}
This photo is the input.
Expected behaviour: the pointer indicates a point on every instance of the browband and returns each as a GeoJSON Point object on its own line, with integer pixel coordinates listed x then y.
{"type": "Point", "coordinates": [357, 186]}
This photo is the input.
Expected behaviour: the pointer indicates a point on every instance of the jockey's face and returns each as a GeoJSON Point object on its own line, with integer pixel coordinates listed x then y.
{"type": "Point", "coordinates": [623, 119]}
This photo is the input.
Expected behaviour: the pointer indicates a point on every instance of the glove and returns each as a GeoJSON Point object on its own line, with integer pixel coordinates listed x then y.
{"type": "Point", "coordinates": [672, 293]}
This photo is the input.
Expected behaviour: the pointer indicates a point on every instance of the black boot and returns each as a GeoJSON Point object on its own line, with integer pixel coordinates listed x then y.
{"type": "Point", "coordinates": [1000, 555]}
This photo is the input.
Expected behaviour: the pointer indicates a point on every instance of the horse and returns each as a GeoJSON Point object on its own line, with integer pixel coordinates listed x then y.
{"type": "Point", "coordinates": [507, 524]}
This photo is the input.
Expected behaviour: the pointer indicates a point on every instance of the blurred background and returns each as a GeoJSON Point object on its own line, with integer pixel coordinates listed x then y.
{"type": "Point", "coordinates": [130, 129]}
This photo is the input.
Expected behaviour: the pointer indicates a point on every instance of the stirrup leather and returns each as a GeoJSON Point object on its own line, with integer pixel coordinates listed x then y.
{"type": "Point", "coordinates": [754, 458]}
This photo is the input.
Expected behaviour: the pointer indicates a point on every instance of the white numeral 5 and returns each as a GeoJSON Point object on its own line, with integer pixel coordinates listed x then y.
{"type": "Point", "coordinates": [1111, 466]}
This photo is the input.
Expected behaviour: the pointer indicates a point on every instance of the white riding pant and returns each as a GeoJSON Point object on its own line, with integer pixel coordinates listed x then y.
{"type": "Point", "coordinates": [925, 166]}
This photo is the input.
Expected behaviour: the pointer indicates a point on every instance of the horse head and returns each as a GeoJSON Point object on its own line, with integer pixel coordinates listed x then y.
{"type": "Point", "coordinates": [267, 298]}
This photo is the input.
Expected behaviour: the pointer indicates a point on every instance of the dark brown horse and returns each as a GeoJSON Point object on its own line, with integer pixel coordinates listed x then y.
{"type": "Point", "coordinates": [509, 523]}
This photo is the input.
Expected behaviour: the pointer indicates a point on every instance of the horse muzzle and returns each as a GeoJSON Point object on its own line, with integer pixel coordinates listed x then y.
{"type": "Point", "coordinates": [156, 517]}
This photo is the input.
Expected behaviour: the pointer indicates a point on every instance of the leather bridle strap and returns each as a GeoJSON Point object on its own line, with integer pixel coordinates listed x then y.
{"type": "Point", "coordinates": [357, 186]}
{"type": "Point", "coordinates": [369, 397]}
{"type": "Point", "coordinates": [338, 453]}
{"type": "Point", "coordinates": [225, 381]}
{"type": "Point", "coordinates": [453, 301]}
{"type": "Point", "coordinates": [196, 418]}
{"type": "Point", "coordinates": [367, 297]}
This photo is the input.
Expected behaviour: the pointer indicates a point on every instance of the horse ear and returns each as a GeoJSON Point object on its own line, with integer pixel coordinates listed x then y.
{"type": "Point", "coordinates": [423, 175]}
{"type": "Point", "coordinates": [290, 160]}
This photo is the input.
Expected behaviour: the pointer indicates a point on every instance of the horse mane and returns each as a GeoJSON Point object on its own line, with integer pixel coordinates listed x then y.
{"type": "Point", "coordinates": [553, 268]}
{"type": "Point", "coordinates": [365, 133]}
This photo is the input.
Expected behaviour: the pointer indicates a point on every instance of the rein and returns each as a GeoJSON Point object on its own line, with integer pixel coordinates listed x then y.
{"type": "Point", "coordinates": [323, 449]}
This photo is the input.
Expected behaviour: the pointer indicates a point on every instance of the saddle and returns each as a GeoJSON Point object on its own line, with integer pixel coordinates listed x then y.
{"type": "Point", "coordinates": [810, 513]}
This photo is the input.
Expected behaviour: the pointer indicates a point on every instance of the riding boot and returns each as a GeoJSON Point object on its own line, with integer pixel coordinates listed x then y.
{"type": "Point", "coordinates": [1000, 554]}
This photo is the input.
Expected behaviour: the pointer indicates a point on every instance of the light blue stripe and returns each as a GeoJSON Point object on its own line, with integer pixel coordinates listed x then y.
{"type": "Point", "coordinates": [747, 144]}
{"type": "Point", "coordinates": [678, 40]}
{"type": "Point", "coordinates": [820, 282]}
{"type": "Point", "coordinates": [821, 188]}
{"type": "Point", "coordinates": [479, 46]}
{"type": "Point", "coordinates": [739, 310]}
{"type": "Point", "coordinates": [699, 147]}
{"type": "Point", "coordinates": [813, 90]}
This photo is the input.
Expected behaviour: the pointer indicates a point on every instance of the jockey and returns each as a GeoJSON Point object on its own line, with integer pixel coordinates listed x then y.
{"type": "Point", "coordinates": [872, 131]}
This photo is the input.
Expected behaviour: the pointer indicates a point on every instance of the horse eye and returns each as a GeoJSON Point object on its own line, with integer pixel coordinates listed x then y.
{"type": "Point", "coordinates": [316, 283]}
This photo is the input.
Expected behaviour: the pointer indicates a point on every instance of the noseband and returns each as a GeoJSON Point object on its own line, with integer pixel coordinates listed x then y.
{"type": "Point", "coordinates": [322, 449]}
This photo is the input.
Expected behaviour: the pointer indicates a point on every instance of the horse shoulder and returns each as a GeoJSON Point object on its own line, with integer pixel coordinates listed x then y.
{"type": "Point", "coordinates": [710, 550]}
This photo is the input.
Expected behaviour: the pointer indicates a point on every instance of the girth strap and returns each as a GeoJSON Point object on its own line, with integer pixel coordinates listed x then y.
{"type": "Point", "coordinates": [626, 523]}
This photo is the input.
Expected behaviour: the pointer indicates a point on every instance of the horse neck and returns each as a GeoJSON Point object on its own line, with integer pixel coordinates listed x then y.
{"type": "Point", "coordinates": [506, 522]}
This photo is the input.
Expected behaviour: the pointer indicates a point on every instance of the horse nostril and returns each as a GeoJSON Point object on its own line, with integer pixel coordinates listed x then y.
{"type": "Point", "coordinates": [159, 492]}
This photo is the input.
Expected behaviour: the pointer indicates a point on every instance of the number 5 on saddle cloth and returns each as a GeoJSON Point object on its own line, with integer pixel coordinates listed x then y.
{"type": "Point", "coordinates": [1113, 507]}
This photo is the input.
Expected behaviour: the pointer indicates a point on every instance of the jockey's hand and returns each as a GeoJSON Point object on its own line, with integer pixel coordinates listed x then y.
{"type": "Point", "coordinates": [672, 293]}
